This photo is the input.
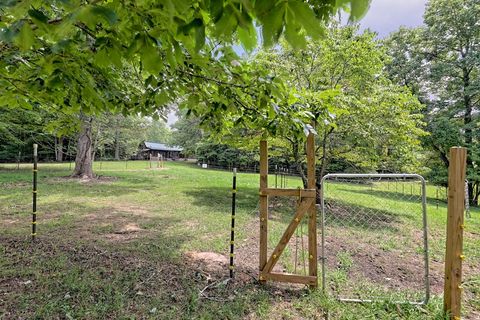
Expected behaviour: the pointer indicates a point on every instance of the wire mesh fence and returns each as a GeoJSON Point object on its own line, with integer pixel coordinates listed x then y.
{"type": "Point", "coordinates": [374, 237]}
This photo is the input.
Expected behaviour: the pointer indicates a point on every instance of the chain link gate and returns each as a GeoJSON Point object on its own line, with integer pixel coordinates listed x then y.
{"type": "Point", "coordinates": [374, 237]}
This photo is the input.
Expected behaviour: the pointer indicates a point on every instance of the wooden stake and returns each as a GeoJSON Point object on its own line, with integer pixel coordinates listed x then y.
{"type": "Point", "coordinates": [263, 205]}
{"type": "Point", "coordinates": [312, 211]}
{"type": "Point", "coordinates": [452, 295]}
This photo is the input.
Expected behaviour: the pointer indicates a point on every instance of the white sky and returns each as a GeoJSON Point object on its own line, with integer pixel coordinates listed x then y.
{"type": "Point", "coordinates": [385, 16]}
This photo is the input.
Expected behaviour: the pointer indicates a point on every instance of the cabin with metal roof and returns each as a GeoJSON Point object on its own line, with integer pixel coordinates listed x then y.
{"type": "Point", "coordinates": [155, 149]}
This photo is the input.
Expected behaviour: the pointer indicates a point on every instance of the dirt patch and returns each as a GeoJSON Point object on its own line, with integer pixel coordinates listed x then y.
{"type": "Point", "coordinates": [20, 184]}
{"type": "Point", "coordinates": [210, 261]}
{"type": "Point", "coordinates": [129, 228]}
{"type": "Point", "coordinates": [388, 270]}
{"type": "Point", "coordinates": [341, 214]}
{"type": "Point", "coordinates": [120, 222]}
{"type": "Point", "coordinates": [127, 232]}
{"type": "Point", "coordinates": [131, 209]}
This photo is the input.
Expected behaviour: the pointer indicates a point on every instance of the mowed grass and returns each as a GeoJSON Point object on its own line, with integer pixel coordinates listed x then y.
{"type": "Point", "coordinates": [119, 248]}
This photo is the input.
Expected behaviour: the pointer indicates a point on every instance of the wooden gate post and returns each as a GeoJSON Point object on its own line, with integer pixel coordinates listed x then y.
{"type": "Point", "coordinates": [263, 206]}
{"type": "Point", "coordinates": [312, 211]}
{"type": "Point", "coordinates": [452, 294]}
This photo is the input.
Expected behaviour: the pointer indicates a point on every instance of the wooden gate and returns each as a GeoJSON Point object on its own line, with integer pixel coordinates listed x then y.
{"type": "Point", "coordinates": [306, 207]}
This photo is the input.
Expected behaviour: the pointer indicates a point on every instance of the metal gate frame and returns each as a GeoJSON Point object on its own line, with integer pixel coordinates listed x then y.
{"type": "Point", "coordinates": [425, 230]}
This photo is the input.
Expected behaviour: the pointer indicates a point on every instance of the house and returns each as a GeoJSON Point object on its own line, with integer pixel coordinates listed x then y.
{"type": "Point", "coordinates": [148, 149]}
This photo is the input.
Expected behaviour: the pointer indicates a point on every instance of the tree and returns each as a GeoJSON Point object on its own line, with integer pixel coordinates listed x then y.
{"type": "Point", "coordinates": [187, 133]}
{"type": "Point", "coordinates": [361, 118]}
{"type": "Point", "coordinates": [21, 128]}
{"type": "Point", "coordinates": [73, 55]}
{"type": "Point", "coordinates": [158, 131]}
{"type": "Point", "coordinates": [117, 136]}
{"type": "Point", "coordinates": [447, 49]}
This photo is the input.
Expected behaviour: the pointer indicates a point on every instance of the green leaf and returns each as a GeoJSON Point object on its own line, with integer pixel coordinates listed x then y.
{"type": "Point", "coordinates": [93, 15]}
{"type": "Point", "coordinates": [358, 9]}
{"type": "Point", "coordinates": [292, 32]}
{"type": "Point", "coordinates": [227, 23]}
{"type": "Point", "coordinates": [37, 16]}
{"type": "Point", "coordinates": [273, 25]}
{"type": "Point", "coordinates": [304, 16]}
{"type": "Point", "coordinates": [25, 37]}
{"type": "Point", "coordinates": [109, 15]}
{"type": "Point", "coordinates": [61, 45]}
{"type": "Point", "coordinates": [248, 37]}
{"type": "Point", "coordinates": [6, 34]}
{"type": "Point", "coordinates": [161, 98]}
{"type": "Point", "coordinates": [151, 59]}
{"type": "Point", "coordinates": [199, 37]}
{"type": "Point", "coordinates": [169, 52]}
{"type": "Point", "coordinates": [102, 58]}
{"type": "Point", "coordinates": [115, 56]}
{"type": "Point", "coordinates": [216, 9]}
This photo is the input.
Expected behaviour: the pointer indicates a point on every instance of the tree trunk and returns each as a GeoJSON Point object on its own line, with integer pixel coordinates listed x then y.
{"type": "Point", "coordinates": [298, 162]}
{"type": "Point", "coordinates": [476, 194]}
{"type": "Point", "coordinates": [117, 145]}
{"type": "Point", "coordinates": [83, 159]}
{"type": "Point", "coordinates": [467, 120]}
{"type": "Point", "coordinates": [59, 149]}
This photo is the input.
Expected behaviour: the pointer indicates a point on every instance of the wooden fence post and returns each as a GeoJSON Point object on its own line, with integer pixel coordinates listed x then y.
{"type": "Point", "coordinates": [452, 294]}
{"type": "Point", "coordinates": [312, 211]}
{"type": "Point", "coordinates": [263, 205]}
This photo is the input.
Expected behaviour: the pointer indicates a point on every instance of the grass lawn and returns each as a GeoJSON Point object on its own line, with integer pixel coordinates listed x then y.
{"type": "Point", "coordinates": [141, 243]}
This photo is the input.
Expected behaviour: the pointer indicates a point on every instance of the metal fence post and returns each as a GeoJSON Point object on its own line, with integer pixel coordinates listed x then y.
{"type": "Point", "coordinates": [232, 230]}
{"type": "Point", "coordinates": [34, 192]}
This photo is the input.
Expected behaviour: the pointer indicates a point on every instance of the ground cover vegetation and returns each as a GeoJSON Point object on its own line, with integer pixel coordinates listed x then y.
{"type": "Point", "coordinates": [121, 248]}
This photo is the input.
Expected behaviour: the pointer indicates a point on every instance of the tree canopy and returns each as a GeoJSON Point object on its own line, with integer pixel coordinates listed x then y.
{"type": "Point", "coordinates": [75, 51]}
{"type": "Point", "coordinates": [440, 62]}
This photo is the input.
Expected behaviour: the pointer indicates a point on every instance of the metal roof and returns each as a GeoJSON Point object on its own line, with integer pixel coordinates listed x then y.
{"type": "Point", "coordinates": [161, 147]}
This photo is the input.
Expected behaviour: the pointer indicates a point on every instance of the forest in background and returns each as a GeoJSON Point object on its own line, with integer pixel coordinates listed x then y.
{"type": "Point", "coordinates": [379, 105]}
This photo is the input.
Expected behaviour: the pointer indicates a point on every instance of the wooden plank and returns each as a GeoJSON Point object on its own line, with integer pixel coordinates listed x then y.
{"type": "Point", "coordinates": [304, 193]}
{"type": "Point", "coordinates": [302, 208]}
{"type": "Point", "coordinates": [312, 211]}
{"type": "Point", "coordinates": [263, 204]}
{"type": "Point", "coordinates": [289, 277]}
{"type": "Point", "coordinates": [454, 245]}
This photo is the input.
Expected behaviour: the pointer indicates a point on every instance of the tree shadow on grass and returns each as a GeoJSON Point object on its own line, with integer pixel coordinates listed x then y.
{"type": "Point", "coordinates": [403, 197]}
{"type": "Point", "coordinates": [217, 198]}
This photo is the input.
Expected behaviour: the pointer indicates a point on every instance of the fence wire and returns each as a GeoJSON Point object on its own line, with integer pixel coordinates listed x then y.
{"type": "Point", "coordinates": [374, 237]}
